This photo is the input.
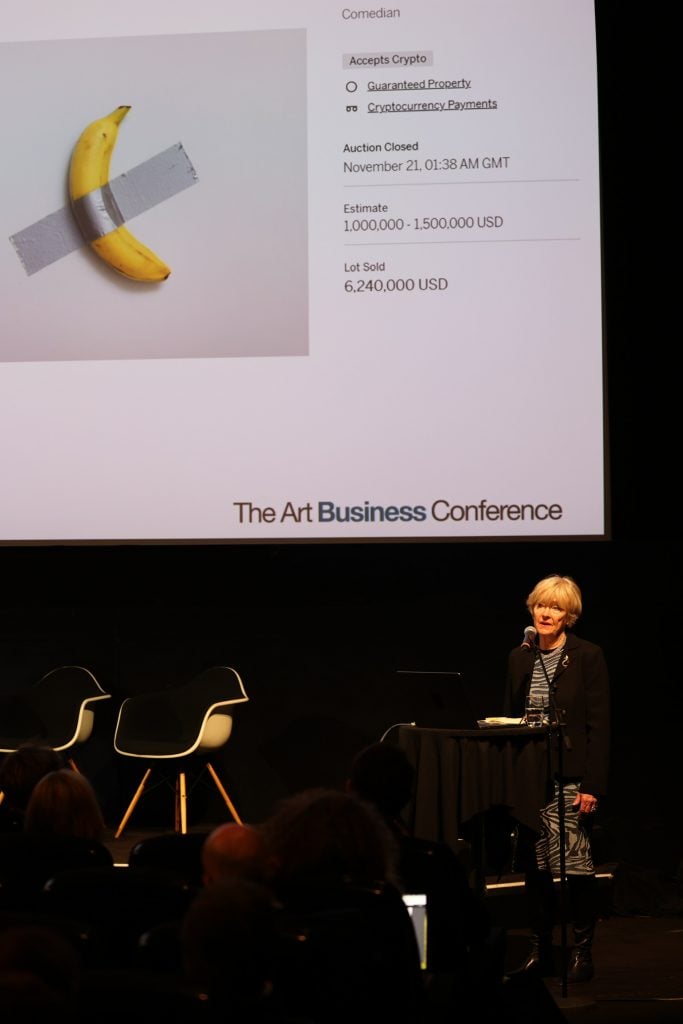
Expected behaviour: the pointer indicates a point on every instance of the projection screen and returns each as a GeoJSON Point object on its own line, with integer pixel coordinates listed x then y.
{"type": "Point", "coordinates": [383, 317]}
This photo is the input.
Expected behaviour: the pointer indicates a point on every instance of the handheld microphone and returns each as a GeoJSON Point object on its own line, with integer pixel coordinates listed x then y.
{"type": "Point", "coordinates": [529, 640]}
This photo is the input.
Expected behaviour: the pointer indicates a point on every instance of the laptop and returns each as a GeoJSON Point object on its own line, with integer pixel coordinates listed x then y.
{"type": "Point", "coordinates": [434, 699]}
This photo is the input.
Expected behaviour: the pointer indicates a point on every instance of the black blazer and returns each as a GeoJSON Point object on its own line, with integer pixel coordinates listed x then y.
{"type": "Point", "coordinates": [581, 688]}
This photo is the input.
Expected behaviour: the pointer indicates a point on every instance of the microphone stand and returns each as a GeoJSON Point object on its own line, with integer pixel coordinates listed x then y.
{"type": "Point", "coordinates": [555, 724]}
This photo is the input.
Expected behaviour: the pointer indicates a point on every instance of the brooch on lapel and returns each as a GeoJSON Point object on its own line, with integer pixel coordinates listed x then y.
{"type": "Point", "coordinates": [565, 661]}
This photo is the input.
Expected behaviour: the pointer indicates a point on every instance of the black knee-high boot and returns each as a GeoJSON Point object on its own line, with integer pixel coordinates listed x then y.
{"type": "Point", "coordinates": [539, 890]}
{"type": "Point", "coordinates": [583, 907]}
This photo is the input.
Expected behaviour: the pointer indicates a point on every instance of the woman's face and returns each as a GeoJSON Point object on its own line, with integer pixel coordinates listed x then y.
{"type": "Point", "coordinates": [550, 621]}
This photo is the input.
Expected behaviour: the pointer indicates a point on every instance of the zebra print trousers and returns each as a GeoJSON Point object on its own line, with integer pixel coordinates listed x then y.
{"type": "Point", "coordinates": [577, 850]}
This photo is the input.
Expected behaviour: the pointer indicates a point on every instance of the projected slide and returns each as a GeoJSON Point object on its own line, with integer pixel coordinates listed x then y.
{"type": "Point", "coordinates": [297, 271]}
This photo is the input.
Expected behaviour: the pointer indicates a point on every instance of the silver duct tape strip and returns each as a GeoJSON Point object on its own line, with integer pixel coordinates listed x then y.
{"type": "Point", "coordinates": [133, 192]}
{"type": "Point", "coordinates": [97, 213]}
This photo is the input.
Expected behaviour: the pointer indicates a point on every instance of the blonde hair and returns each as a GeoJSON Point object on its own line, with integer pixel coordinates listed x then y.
{"type": "Point", "coordinates": [64, 803]}
{"type": "Point", "coordinates": [560, 590]}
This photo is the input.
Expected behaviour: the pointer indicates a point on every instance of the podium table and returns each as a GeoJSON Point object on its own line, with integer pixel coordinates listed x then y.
{"type": "Point", "coordinates": [462, 773]}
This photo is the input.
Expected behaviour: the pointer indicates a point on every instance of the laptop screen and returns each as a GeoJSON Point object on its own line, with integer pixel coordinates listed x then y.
{"type": "Point", "coordinates": [434, 699]}
{"type": "Point", "coordinates": [416, 902]}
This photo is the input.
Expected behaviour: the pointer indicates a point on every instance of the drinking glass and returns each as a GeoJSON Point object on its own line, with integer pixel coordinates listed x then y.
{"type": "Point", "coordinates": [533, 713]}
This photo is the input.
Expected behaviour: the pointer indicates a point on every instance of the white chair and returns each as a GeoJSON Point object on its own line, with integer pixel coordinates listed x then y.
{"type": "Point", "coordinates": [169, 726]}
{"type": "Point", "coordinates": [57, 711]}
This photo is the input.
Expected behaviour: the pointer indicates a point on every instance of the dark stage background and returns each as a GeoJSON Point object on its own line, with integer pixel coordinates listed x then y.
{"type": "Point", "coordinates": [318, 632]}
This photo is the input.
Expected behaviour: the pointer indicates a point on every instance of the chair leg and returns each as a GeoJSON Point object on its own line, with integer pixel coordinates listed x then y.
{"type": "Point", "coordinates": [182, 802]}
{"type": "Point", "coordinates": [131, 806]}
{"type": "Point", "coordinates": [223, 793]}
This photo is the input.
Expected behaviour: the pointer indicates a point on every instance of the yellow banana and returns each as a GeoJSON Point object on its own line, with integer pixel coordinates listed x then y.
{"type": "Point", "coordinates": [95, 209]}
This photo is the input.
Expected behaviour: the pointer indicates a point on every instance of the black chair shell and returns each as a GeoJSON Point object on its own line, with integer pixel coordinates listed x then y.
{"type": "Point", "coordinates": [354, 951]}
{"type": "Point", "coordinates": [172, 851]}
{"type": "Point", "coordinates": [57, 711]}
{"type": "Point", "coordinates": [118, 903]}
{"type": "Point", "coordinates": [179, 721]}
{"type": "Point", "coordinates": [28, 861]}
{"type": "Point", "coordinates": [116, 994]}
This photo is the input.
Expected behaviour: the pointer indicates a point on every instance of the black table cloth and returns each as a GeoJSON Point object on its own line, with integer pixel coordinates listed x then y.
{"type": "Point", "coordinates": [460, 774]}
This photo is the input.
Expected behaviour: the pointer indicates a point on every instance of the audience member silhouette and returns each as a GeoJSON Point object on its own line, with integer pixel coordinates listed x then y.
{"type": "Point", "coordinates": [62, 829]}
{"type": "Point", "coordinates": [460, 939]}
{"type": "Point", "coordinates": [384, 776]}
{"type": "Point", "coordinates": [40, 974]}
{"type": "Point", "coordinates": [20, 770]}
{"type": "Point", "coordinates": [229, 851]}
{"type": "Point", "coordinates": [330, 836]}
{"type": "Point", "coordinates": [234, 850]}
{"type": "Point", "coordinates": [229, 942]}
{"type": "Point", "coordinates": [334, 868]}
{"type": "Point", "coordinates": [64, 803]}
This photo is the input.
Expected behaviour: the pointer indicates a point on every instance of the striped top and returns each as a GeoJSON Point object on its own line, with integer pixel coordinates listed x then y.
{"type": "Point", "coordinates": [538, 690]}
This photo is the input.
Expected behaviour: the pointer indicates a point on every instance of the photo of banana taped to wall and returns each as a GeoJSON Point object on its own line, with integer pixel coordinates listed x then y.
{"type": "Point", "coordinates": [166, 175]}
